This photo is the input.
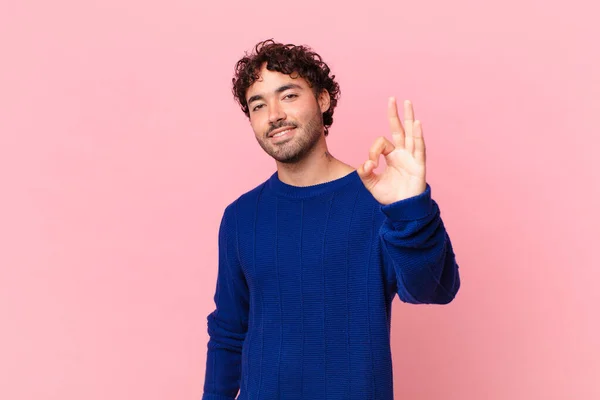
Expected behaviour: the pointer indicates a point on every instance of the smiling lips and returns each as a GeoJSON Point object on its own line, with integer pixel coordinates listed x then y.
{"type": "Point", "coordinates": [277, 133]}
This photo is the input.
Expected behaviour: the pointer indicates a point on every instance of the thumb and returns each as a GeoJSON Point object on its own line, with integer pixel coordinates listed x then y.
{"type": "Point", "coordinates": [367, 174]}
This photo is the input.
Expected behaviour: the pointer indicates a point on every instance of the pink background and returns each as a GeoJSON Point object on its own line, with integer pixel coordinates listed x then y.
{"type": "Point", "coordinates": [121, 145]}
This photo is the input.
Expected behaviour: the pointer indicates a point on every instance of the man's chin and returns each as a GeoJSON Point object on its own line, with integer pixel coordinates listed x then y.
{"type": "Point", "coordinates": [287, 158]}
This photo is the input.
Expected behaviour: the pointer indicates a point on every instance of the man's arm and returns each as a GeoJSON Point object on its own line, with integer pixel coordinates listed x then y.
{"type": "Point", "coordinates": [228, 323]}
{"type": "Point", "coordinates": [417, 247]}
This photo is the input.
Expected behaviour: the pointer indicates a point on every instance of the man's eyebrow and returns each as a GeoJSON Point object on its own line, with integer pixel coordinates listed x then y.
{"type": "Point", "coordinates": [280, 89]}
{"type": "Point", "coordinates": [287, 87]}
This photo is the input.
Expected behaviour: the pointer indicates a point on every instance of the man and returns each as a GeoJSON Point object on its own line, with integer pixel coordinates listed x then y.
{"type": "Point", "coordinates": [310, 260]}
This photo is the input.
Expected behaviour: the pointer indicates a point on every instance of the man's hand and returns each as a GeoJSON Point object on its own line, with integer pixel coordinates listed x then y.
{"type": "Point", "coordinates": [404, 175]}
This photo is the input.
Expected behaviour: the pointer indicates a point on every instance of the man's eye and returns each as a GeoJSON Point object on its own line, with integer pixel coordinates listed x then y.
{"type": "Point", "coordinates": [257, 107]}
{"type": "Point", "coordinates": [290, 95]}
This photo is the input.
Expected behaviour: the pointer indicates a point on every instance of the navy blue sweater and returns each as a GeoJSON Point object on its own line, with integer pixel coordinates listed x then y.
{"type": "Point", "coordinates": [305, 284]}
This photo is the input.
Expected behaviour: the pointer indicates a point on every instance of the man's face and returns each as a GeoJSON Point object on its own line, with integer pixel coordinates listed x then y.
{"type": "Point", "coordinates": [285, 115]}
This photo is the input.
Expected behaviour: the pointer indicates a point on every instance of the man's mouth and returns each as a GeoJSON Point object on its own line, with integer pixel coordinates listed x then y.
{"type": "Point", "coordinates": [281, 131]}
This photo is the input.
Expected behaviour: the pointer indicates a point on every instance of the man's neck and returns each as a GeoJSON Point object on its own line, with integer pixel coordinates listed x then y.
{"type": "Point", "coordinates": [318, 167]}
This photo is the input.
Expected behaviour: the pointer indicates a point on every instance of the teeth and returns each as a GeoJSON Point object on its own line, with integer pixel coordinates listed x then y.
{"type": "Point", "coordinates": [281, 133]}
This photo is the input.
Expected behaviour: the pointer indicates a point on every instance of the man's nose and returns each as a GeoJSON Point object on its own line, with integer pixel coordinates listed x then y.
{"type": "Point", "coordinates": [276, 113]}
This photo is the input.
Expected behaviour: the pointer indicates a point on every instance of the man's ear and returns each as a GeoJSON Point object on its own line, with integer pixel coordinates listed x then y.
{"type": "Point", "coordinates": [324, 101]}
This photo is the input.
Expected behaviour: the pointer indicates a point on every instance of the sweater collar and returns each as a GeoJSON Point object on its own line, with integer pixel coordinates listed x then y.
{"type": "Point", "coordinates": [275, 184]}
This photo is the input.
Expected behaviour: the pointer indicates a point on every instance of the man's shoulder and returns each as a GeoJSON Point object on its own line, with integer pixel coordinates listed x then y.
{"type": "Point", "coordinates": [247, 198]}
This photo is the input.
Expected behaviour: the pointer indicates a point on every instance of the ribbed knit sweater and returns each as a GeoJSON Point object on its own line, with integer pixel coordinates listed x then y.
{"type": "Point", "coordinates": [306, 279]}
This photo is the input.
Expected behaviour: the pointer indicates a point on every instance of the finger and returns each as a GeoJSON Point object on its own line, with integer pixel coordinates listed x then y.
{"type": "Point", "coordinates": [395, 124]}
{"type": "Point", "coordinates": [408, 126]}
{"type": "Point", "coordinates": [382, 145]}
{"type": "Point", "coordinates": [367, 174]}
{"type": "Point", "coordinates": [419, 152]}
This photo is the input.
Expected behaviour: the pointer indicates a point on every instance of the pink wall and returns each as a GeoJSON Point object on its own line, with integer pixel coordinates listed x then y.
{"type": "Point", "coordinates": [121, 144]}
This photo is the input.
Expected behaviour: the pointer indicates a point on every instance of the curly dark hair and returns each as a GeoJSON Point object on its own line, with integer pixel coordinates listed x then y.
{"type": "Point", "coordinates": [286, 59]}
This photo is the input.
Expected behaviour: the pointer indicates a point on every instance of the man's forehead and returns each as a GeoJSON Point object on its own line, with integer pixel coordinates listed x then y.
{"type": "Point", "coordinates": [272, 80]}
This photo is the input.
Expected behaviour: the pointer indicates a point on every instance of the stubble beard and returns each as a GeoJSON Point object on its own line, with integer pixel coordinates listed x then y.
{"type": "Point", "coordinates": [294, 150]}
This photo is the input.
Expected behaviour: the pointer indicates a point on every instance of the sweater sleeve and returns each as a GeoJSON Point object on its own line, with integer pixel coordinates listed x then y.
{"type": "Point", "coordinates": [417, 248]}
{"type": "Point", "coordinates": [228, 323]}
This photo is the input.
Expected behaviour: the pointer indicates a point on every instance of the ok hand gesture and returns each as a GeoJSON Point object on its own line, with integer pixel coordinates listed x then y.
{"type": "Point", "coordinates": [404, 175]}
